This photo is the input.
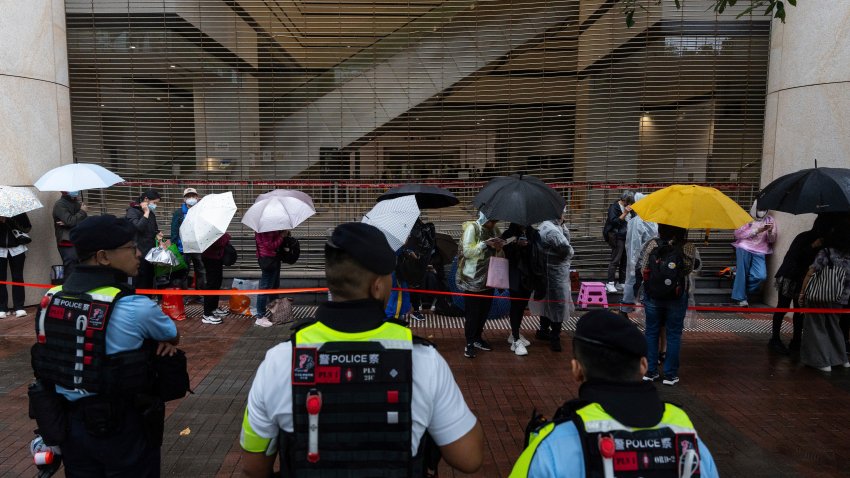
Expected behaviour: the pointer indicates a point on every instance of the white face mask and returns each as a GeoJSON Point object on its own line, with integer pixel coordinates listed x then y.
{"type": "Point", "coordinates": [191, 201]}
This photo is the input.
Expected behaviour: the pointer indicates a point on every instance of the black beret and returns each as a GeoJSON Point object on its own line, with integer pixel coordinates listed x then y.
{"type": "Point", "coordinates": [97, 233]}
{"type": "Point", "coordinates": [366, 244]}
{"type": "Point", "coordinates": [602, 327]}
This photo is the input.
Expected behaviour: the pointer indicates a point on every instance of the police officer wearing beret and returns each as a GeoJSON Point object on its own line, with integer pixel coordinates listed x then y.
{"type": "Point", "coordinates": [95, 395]}
{"type": "Point", "coordinates": [351, 393]}
{"type": "Point", "coordinates": [618, 426]}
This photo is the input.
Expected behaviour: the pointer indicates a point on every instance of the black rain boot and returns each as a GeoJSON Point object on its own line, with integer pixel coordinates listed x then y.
{"type": "Point", "coordinates": [555, 337]}
{"type": "Point", "coordinates": [543, 332]}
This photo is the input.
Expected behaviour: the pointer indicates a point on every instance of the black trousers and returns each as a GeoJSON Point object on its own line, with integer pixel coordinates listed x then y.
{"type": "Point", "coordinates": [124, 453]}
{"type": "Point", "coordinates": [69, 259]}
{"type": "Point", "coordinates": [782, 303]}
{"type": "Point", "coordinates": [476, 310]}
{"type": "Point", "coordinates": [16, 266]}
{"type": "Point", "coordinates": [618, 258]}
{"type": "Point", "coordinates": [214, 278]}
{"type": "Point", "coordinates": [518, 309]}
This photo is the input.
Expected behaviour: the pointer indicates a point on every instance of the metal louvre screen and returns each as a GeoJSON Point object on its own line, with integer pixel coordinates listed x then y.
{"type": "Point", "coordinates": [345, 99]}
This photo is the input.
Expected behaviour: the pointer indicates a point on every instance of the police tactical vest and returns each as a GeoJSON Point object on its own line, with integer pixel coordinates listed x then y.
{"type": "Point", "coordinates": [351, 399]}
{"type": "Point", "coordinates": [668, 449]}
{"type": "Point", "coordinates": [71, 344]}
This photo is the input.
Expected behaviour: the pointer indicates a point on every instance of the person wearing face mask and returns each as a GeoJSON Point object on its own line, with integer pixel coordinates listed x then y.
{"type": "Point", "coordinates": [350, 376]}
{"type": "Point", "coordinates": [480, 240]}
{"type": "Point", "coordinates": [68, 211]}
{"type": "Point", "coordinates": [753, 241]}
{"type": "Point", "coordinates": [190, 198]}
{"type": "Point", "coordinates": [142, 216]}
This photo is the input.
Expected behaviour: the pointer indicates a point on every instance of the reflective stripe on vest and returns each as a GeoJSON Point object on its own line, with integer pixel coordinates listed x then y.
{"type": "Point", "coordinates": [596, 420]}
{"type": "Point", "coordinates": [390, 335]}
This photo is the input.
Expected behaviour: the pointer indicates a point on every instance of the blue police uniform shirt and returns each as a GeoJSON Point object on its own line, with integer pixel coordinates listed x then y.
{"type": "Point", "coordinates": [134, 319]}
{"type": "Point", "coordinates": [560, 454]}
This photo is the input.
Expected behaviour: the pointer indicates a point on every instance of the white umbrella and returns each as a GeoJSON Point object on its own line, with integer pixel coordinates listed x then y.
{"type": "Point", "coordinates": [277, 213]}
{"type": "Point", "coordinates": [207, 221]}
{"type": "Point", "coordinates": [14, 201]}
{"type": "Point", "coordinates": [395, 218]}
{"type": "Point", "coordinates": [293, 193]}
{"type": "Point", "coordinates": [77, 177]}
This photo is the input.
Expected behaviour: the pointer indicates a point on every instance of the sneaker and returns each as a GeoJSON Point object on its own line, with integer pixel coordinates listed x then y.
{"type": "Point", "coordinates": [846, 365]}
{"type": "Point", "coordinates": [524, 341]}
{"type": "Point", "coordinates": [741, 303]}
{"type": "Point", "coordinates": [2, 315]}
{"type": "Point", "coordinates": [776, 346]}
{"type": "Point", "coordinates": [417, 315]}
{"type": "Point", "coordinates": [651, 376]}
{"type": "Point", "coordinates": [670, 380]}
{"type": "Point", "coordinates": [220, 312]}
{"type": "Point", "coordinates": [611, 288]}
{"type": "Point", "coordinates": [483, 345]}
{"type": "Point", "coordinates": [825, 369]}
{"type": "Point", "coordinates": [469, 351]}
{"type": "Point", "coordinates": [211, 319]}
{"type": "Point", "coordinates": [518, 348]}
{"type": "Point", "coordinates": [20, 313]}
{"type": "Point", "coordinates": [263, 322]}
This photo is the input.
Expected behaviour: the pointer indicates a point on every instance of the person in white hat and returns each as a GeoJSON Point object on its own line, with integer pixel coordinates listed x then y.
{"type": "Point", "coordinates": [190, 198]}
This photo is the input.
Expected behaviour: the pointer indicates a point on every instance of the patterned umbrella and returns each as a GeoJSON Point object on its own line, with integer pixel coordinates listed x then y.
{"type": "Point", "coordinates": [395, 218]}
{"type": "Point", "coordinates": [14, 201]}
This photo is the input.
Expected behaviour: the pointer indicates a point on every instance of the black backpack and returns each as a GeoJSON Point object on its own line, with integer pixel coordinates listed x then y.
{"type": "Point", "coordinates": [664, 274]}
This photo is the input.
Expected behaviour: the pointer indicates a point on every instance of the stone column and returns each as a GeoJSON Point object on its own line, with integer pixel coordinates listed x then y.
{"type": "Point", "coordinates": [36, 113]}
{"type": "Point", "coordinates": [807, 113]}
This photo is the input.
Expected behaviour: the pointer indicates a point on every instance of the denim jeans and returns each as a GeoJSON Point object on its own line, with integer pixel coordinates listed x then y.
{"type": "Point", "coordinates": [269, 280]}
{"type": "Point", "coordinates": [672, 314]}
{"type": "Point", "coordinates": [750, 273]}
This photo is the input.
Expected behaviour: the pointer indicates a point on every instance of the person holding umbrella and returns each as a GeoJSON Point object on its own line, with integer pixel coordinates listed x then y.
{"type": "Point", "coordinates": [13, 252]}
{"type": "Point", "coordinates": [68, 211]}
{"type": "Point", "coordinates": [190, 198]}
{"type": "Point", "coordinates": [479, 242]}
{"type": "Point", "coordinates": [142, 216]}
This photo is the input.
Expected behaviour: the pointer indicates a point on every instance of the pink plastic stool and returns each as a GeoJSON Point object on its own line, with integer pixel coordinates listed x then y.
{"type": "Point", "coordinates": [592, 293]}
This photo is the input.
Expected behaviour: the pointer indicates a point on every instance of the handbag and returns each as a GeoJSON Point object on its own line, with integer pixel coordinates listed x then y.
{"type": "Point", "coordinates": [230, 255]}
{"type": "Point", "coordinates": [826, 285]}
{"type": "Point", "coordinates": [21, 236]}
{"type": "Point", "coordinates": [497, 273]}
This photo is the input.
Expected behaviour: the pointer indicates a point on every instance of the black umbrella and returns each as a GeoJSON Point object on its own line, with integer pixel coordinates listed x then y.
{"type": "Point", "coordinates": [446, 247]}
{"type": "Point", "coordinates": [427, 197]}
{"type": "Point", "coordinates": [814, 190]}
{"type": "Point", "coordinates": [520, 199]}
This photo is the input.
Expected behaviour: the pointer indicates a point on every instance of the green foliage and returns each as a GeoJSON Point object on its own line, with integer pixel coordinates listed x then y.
{"type": "Point", "coordinates": [774, 8]}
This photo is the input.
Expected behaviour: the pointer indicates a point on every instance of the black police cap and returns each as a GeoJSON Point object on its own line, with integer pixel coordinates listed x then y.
{"type": "Point", "coordinates": [366, 244]}
{"type": "Point", "coordinates": [608, 329]}
{"type": "Point", "coordinates": [97, 233]}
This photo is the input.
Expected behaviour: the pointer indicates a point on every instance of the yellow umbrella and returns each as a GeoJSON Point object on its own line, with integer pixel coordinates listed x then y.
{"type": "Point", "coordinates": [692, 207]}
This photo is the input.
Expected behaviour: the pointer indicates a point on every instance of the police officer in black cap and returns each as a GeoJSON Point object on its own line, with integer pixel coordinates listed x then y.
{"type": "Point", "coordinates": [618, 425]}
{"type": "Point", "coordinates": [352, 394]}
{"type": "Point", "coordinates": [95, 395]}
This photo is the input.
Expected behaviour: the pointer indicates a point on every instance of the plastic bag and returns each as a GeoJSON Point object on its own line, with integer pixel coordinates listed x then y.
{"type": "Point", "coordinates": [244, 284]}
{"type": "Point", "coordinates": [162, 257]}
{"type": "Point", "coordinates": [497, 273]}
{"type": "Point", "coordinates": [172, 305]}
{"type": "Point", "coordinates": [165, 270]}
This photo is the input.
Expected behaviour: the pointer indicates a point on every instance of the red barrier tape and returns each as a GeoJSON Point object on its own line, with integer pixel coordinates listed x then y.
{"type": "Point", "coordinates": [307, 290]}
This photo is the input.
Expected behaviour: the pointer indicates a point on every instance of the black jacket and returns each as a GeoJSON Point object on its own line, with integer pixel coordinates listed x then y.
{"type": "Point", "coordinates": [146, 227]}
{"type": "Point", "coordinates": [519, 258]}
{"type": "Point", "coordinates": [615, 228]}
{"type": "Point", "coordinates": [799, 257]}
{"type": "Point", "coordinates": [20, 222]}
{"type": "Point", "coordinates": [67, 210]}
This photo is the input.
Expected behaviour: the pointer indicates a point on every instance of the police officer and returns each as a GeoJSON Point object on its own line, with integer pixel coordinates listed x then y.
{"type": "Point", "coordinates": [351, 393]}
{"type": "Point", "coordinates": [91, 349]}
{"type": "Point", "coordinates": [618, 425]}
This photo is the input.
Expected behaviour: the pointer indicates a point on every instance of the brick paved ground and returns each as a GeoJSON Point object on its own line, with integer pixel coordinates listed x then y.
{"type": "Point", "coordinates": [761, 415]}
